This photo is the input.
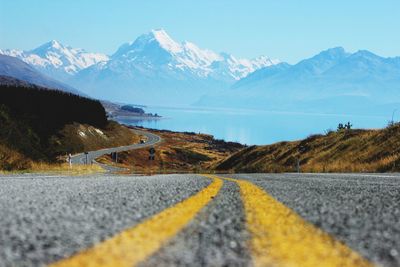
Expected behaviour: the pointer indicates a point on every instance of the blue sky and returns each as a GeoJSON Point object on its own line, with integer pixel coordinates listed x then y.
{"type": "Point", "coordinates": [288, 30]}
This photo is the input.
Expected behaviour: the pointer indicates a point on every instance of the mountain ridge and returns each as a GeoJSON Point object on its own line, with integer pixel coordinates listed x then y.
{"type": "Point", "coordinates": [57, 60]}
{"type": "Point", "coordinates": [156, 69]}
{"type": "Point", "coordinates": [152, 69]}
{"type": "Point", "coordinates": [16, 68]}
{"type": "Point", "coordinates": [332, 81]}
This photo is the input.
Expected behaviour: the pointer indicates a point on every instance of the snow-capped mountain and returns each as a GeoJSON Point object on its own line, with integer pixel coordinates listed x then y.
{"type": "Point", "coordinates": [57, 60]}
{"type": "Point", "coordinates": [331, 72]}
{"type": "Point", "coordinates": [154, 68]}
{"type": "Point", "coordinates": [17, 69]}
{"type": "Point", "coordinates": [157, 70]}
{"type": "Point", "coordinates": [332, 81]}
{"type": "Point", "coordinates": [158, 48]}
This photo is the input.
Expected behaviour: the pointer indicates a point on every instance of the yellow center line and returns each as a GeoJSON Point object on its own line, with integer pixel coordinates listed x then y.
{"type": "Point", "coordinates": [280, 237]}
{"type": "Point", "coordinates": [137, 243]}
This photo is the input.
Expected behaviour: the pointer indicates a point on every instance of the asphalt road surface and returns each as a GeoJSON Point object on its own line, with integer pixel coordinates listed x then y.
{"type": "Point", "coordinates": [82, 158]}
{"type": "Point", "coordinates": [194, 220]}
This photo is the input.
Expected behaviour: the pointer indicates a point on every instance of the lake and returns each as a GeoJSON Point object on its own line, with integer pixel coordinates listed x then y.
{"type": "Point", "coordinates": [252, 126]}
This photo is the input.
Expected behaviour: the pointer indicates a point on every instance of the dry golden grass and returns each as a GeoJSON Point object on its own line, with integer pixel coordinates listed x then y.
{"type": "Point", "coordinates": [344, 151]}
{"type": "Point", "coordinates": [11, 159]}
{"type": "Point", "coordinates": [63, 168]}
{"type": "Point", "coordinates": [178, 153]}
{"type": "Point", "coordinates": [73, 138]}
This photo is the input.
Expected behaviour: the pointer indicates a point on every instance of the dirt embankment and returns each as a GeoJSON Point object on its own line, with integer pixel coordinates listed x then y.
{"type": "Point", "coordinates": [38, 125]}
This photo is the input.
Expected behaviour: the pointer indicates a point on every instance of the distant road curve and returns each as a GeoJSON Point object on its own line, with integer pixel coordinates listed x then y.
{"type": "Point", "coordinates": [152, 139]}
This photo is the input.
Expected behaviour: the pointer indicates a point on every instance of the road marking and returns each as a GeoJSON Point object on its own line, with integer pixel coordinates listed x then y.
{"type": "Point", "coordinates": [137, 243]}
{"type": "Point", "coordinates": [280, 237]}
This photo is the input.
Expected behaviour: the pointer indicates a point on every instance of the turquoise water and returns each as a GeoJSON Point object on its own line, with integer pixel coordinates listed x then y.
{"type": "Point", "coordinates": [252, 126]}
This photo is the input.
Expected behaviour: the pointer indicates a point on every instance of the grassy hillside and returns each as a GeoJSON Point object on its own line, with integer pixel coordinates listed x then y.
{"type": "Point", "coordinates": [38, 125]}
{"type": "Point", "coordinates": [178, 152]}
{"type": "Point", "coordinates": [342, 151]}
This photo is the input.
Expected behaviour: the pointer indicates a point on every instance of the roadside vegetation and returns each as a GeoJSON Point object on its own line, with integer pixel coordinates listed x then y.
{"type": "Point", "coordinates": [39, 127]}
{"type": "Point", "coordinates": [344, 150]}
{"type": "Point", "coordinates": [178, 152]}
{"type": "Point", "coordinates": [56, 168]}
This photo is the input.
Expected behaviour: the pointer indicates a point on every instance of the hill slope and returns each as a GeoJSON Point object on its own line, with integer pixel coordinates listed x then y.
{"type": "Point", "coordinates": [16, 68]}
{"type": "Point", "coordinates": [178, 152]}
{"type": "Point", "coordinates": [343, 151]}
{"type": "Point", "coordinates": [39, 125]}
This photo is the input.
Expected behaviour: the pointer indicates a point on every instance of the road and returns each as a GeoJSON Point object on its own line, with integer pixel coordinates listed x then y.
{"type": "Point", "coordinates": [196, 220]}
{"type": "Point", "coordinates": [152, 139]}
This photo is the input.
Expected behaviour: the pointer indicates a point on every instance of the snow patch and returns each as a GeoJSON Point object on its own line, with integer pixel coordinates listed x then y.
{"type": "Point", "coordinates": [99, 131]}
{"type": "Point", "coordinates": [82, 134]}
{"type": "Point", "coordinates": [166, 41]}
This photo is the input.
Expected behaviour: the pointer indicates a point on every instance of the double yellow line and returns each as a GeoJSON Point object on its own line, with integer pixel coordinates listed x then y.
{"type": "Point", "coordinates": [134, 245]}
{"type": "Point", "coordinates": [279, 237]}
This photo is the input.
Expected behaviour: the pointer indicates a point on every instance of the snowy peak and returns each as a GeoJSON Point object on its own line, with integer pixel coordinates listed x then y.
{"type": "Point", "coordinates": [263, 61]}
{"type": "Point", "coordinates": [52, 45]}
{"type": "Point", "coordinates": [240, 68]}
{"type": "Point", "coordinates": [158, 38]}
{"type": "Point", "coordinates": [57, 59]}
{"type": "Point", "coordinates": [166, 41]}
{"type": "Point", "coordinates": [71, 59]}
{"type": "Point", "coordinates": [202, 54]}
{"type": "Point", "coordinates": [157, 49]}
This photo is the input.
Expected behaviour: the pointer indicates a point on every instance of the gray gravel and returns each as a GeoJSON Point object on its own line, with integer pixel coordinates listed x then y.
{"type": "Point", "coordinates": [361, 210]}
{"type": "Point", "coordinates": [44, 218]}
{"type": "Point", "coordinates": [217, 236]}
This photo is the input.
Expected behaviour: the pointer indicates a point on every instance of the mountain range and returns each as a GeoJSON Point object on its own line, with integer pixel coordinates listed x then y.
{"type": "Point", "coordinates": [332, 81]}
{"type": "Point", "coordinates": [57, 60]}
{"type": "Point", "coordinates": [13, 67]}
{"type": "Point", "coordinates": [153, 69]}
{"type": "Point", "coordinates": [156, 70]}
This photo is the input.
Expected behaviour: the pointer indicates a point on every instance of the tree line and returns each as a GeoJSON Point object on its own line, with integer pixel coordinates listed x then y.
{"type": "Point", "coordinates": [47, 111]}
